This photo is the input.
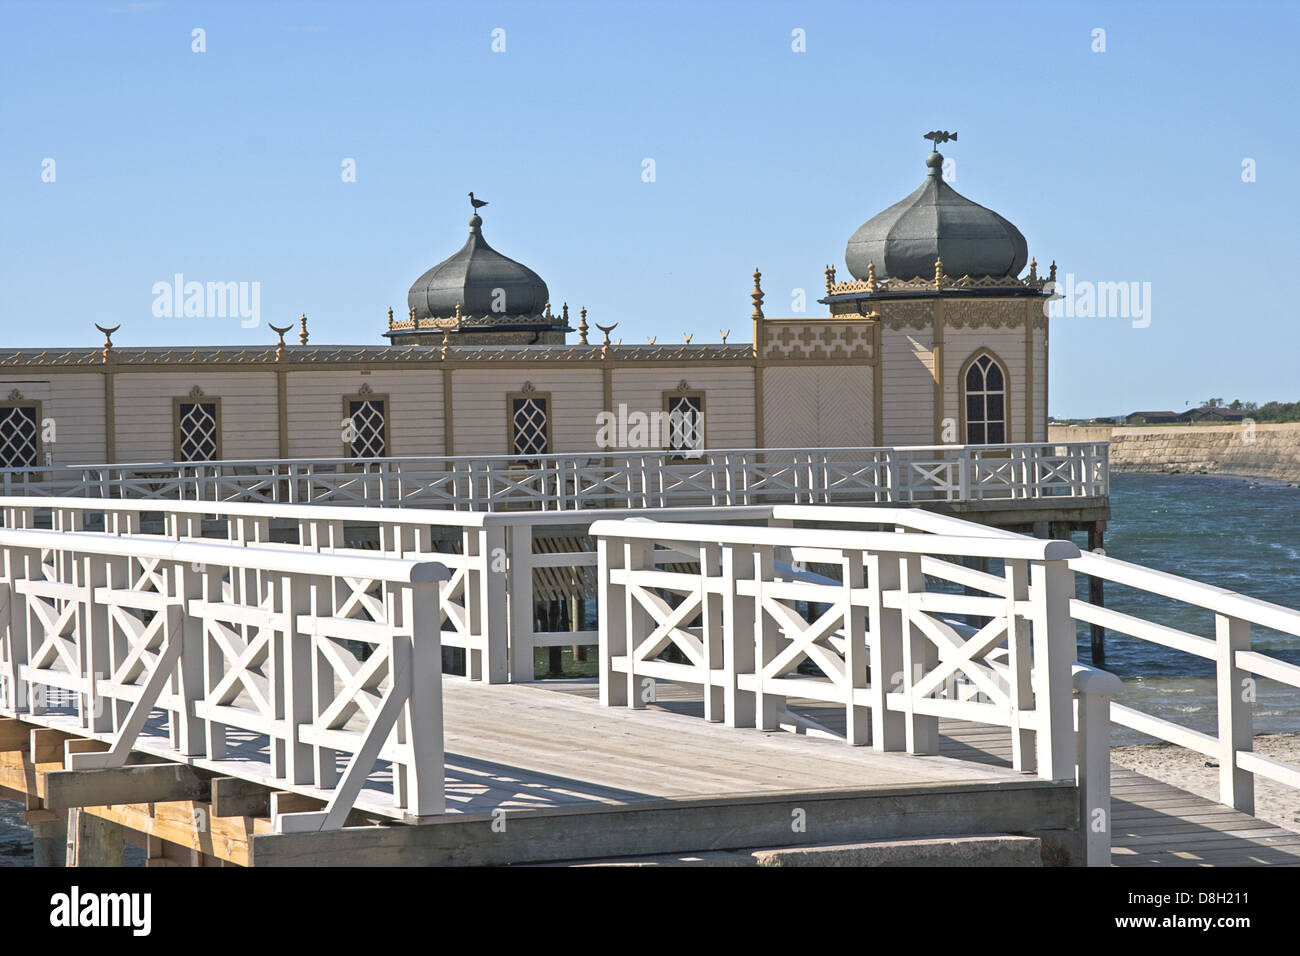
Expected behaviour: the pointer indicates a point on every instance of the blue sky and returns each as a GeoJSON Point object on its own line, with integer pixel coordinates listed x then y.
{"type": "Point", "coordinates": [1123, 166]}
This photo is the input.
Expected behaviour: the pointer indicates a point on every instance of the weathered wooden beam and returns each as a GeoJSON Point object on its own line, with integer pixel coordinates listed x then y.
{"type": "Point", "coordinates": [233, 797]}
{"type": "Point", "coordinates": [144, 783]}
{"type": "Point", "coordinates": [285, 801]}
{"type": "Point", "coordinates": [14, 734]}
{"type": "Point", "coordinates": [46, 745]}
{"type": "Point", "coordinates": [691, 824]}
{"type": "Point", "coordinates": [82, 745]}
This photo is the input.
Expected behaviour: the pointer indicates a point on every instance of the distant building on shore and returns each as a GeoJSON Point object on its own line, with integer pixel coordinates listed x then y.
{"type": "Point", "coordinates": [1151, 418]}
{"type": "Point", "coordinates": [1212, 413]}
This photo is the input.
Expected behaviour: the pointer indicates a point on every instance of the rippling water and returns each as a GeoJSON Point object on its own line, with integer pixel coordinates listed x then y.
{"type": "Point", "coordinates": [1236, 534]}
{"type": "Point", "coordinates": [1232, 533]}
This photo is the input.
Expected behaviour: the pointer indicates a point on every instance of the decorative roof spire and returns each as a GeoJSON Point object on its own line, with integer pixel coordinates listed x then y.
{"type": "Point", "coordinates": [938, 272]}
{"type": "Point", "coordinates": [390, 318]}
{"type": "Point", "coordinates": [871, 277]}
{"type": "Point", "coordinates": [1033, 270]}
{"type": "Point", "coordinates": [830, 279]}
{"type": "Point", "coordinates": [757, 296]}
{"type": "Point", "coordinates": [583, 328]}
{"type": "Point", "coordinates": [302, 334]}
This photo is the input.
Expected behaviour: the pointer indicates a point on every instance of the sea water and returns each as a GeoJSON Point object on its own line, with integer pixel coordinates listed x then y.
{"type": "Point", "coordinates": [1233, 533]}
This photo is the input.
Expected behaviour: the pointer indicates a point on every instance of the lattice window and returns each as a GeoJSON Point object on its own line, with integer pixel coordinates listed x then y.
{"type": "Point", "coordinates": [986, 402]}
{"type": "Point", "coordinates": [198, 430]}
{"type": "Point", "coordinates": [530, 424]}
{"type": "Point", "coordinates": [369, 426]}
{"type": "Point", "coordinates": [685, 422]}
{"type": "Point", "coordinates": [20, 441]}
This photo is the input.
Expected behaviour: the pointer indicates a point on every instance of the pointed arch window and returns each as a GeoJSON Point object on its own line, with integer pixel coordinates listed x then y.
{"type": "Point", "coordinates": [985, 394]}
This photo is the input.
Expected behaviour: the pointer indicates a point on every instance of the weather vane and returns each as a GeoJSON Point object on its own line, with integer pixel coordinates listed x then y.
{"type": "Point", "coordinates": [937, 136]}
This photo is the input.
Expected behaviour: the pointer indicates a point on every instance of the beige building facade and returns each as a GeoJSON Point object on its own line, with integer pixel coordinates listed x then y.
{"type": "Point", "coordinates": [921, 359]}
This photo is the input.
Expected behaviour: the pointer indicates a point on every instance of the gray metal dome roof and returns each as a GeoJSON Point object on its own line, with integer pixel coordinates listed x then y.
{"type": "Point", "coordinates": [936, 222]}
{"type": "Point", "coordinates": [471, 278]}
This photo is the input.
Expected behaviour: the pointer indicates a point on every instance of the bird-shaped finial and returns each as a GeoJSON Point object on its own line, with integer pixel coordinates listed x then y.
{"type": "Point", "coordinates": [476, 203]}
{"type": "Point", "coordinates": [606, 329]}
{"type": "Point", "coordinates": [108, 338]}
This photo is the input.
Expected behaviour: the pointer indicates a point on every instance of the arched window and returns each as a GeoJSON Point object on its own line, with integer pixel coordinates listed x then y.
{"type": "Point", "coordinates": [985, 389]}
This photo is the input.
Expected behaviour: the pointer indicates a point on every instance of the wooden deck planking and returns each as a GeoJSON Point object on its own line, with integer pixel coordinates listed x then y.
{"type": "Point", "coordinates": [550, 743]}
{"type": "Point", "coordinates": [1154, 823]}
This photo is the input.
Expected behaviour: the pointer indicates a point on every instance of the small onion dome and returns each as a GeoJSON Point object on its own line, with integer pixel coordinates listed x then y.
{"type": "Point", "coordinates": [470, 279]}
{"type": "Point", "coordinates": [936, 222]}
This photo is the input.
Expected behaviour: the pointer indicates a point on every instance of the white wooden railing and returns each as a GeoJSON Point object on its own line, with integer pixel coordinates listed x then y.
{"type": "Point", "coordinates": [1231, 621]}
{"type": "Point", "coordinates": [485, 606]}
{"type": "Point", "coordinates": [246, 651]}
{"type": "Point", "coordinates": [883, 648]}
{"type": "Point", "coordinates": [601, 479]}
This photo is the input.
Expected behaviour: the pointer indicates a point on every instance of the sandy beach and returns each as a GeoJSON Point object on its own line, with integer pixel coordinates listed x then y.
{"type": "Point", "coordinates": [1199, 774]}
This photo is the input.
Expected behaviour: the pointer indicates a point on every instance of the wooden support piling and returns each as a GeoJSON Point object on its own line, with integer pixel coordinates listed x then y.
{"type": "Point", "coordinates": [94, 841]}
{"type": "Point", "coordinates": [1097, 593]}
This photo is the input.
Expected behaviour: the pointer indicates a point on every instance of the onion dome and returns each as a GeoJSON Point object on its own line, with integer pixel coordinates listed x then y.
{"type": "Point", "coordinates": [936, 222]}
{"type": "Point", "coordinates": [480, 281]}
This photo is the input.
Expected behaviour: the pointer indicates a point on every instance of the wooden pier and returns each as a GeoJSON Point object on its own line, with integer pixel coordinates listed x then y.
{"type": "Point", "coordinates": [241, 683]}
{"type": "Point", "coordinates": [541, 773]}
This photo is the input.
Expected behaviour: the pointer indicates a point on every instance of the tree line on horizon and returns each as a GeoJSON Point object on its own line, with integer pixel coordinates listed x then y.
{"type": "Point", "coordinates": [1275, 412]}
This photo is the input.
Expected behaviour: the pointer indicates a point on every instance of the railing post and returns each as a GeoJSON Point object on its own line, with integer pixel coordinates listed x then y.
{"type": "Point", "coordinates": [520, 544]}
{"type": "Point", "coordinates": [767, 635]}
{"type": "Point", "coordinates": [888, 726]}
{"type": "Point", "coordinates": [490, 616]}
{"type": "Point", "coordinates": [857, 716]}
{"type": "Point", "coordinates": [713, 636]}
{"type": "Point", "coordinates": [188, 731]}
{"type": "Point", "coordinates": [638, 555]}
{"type": "Point", "coordinates": [1236, 729]}
{"type": "Point", "coordinates": [96, 639]}
{"type": "Point", "coordinates": [738, 617]}
{"type": "Point", "coordinates": [610, 608]}
{"type": "Point", "coordinates": [420, 782]}
{"type": "Point", "coordinates": [1020, 660]}
{"type": "Point", "coordinates": [1093, 692]}
{"type": "Point", "coordinates": [295, 598]}
{"type": "Point", "coordinates": [1051, 590]}
{"type": "Point", "coordinates": [920, 656]}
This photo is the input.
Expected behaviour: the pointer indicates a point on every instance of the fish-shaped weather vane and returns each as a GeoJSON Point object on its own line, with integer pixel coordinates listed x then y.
{"type": "Point", "coordinates": [937, 136]}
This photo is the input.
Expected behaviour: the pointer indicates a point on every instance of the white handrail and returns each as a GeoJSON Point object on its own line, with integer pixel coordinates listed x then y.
{"type": "Point", "coordinates": [221, 636]}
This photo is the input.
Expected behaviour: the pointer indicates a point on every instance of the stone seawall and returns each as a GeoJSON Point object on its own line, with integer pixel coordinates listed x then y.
{"type": "Point", "coordinates": [1267, 451]}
